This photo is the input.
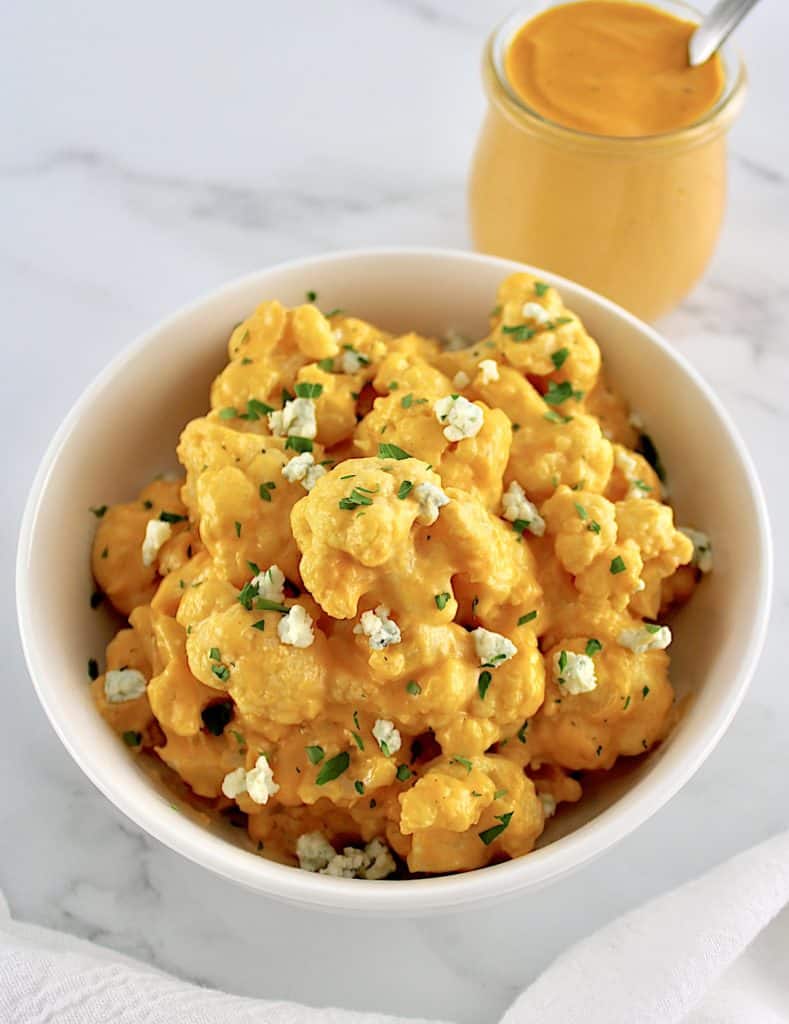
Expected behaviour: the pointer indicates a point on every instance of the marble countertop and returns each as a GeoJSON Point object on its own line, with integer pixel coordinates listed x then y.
{"type": "Point", "coordinates": [151, 151]}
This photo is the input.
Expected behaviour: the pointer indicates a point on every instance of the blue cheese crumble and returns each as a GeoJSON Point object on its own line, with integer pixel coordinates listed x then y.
{"type": "Point", "coordinates": [459, 417]}
{"type": "Point", "coordinates": [518, 508]}
{"type": "Point", "coordinates": [575, 673]}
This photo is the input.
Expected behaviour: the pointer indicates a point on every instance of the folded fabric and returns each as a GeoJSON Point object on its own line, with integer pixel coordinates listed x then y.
{"type": "Point", "coordinates": [714, 950]}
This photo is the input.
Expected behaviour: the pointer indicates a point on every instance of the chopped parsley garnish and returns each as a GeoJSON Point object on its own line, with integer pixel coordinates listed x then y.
{"type": "Point", "coordinates": [406, 401]}
{"type": "Point", "coordinates": [652, 627]}
{"type": "Point", "coordinates": [263, 604]}
{"type": "Point", "coordinates": [327, 365]}
{"type": "Point", "coordinates": [645, 691]}
{"type": "Point", "coordinates": [356, 498]}
{"type": "Point", "coordinates": [442, 600]}
{"type": "Point", "coordinates": [221, 672]}
{"type": "Point", "coordinates": [540, 288]}
{"type": "Point", "coordinates": [306, 389]}
{"type": "Point", "coordinates": [256, 410]}
{"type": "Point", "coordinates": [393, 385]}
{"type": "Point", "coordinates": [556, 417]}
{"type": "Point", "coordinates": [214, 654]}
{"type": "Point", "coordinates": [260, 625]}
{"type": "Point", "coordinates": [228, 413]}
{"type": "Point", "coordinates": [95, 599]}
{"type": "Point", "coordinates": [359, 787]}
{"type": "Point", "coordinates": [558, 393]}
{"type": "Point", "coordinates": [216, 717]}
{"type": "Point", "coordinates": [558, 358]}
{"type": "Point", "coordinates": [642, 486]}
{"type": "Point", "coordinates": [496, 311]}
{"type": "Point", "coordinates": [246, 361]}
{"type": "Point", "coordinates": [357, 739]}
{"type": "Point", "coordinates": [239, 738]}
{"type": "Point", "coordinates": [592, 647]}
{"type": "Point", "coordinates": [298, 444]}
{"type": "Point", "coordinates": [391, 451]}
{"type": "Point", "coordinates": [132, 738]}
{"type": "Point", "coordinates": [626, 705]}
{"type": "Point", "coordinates": [311, 296]}
{"type": "Point", "coordinates": [237, 526]}
{"type": "Point", "coordinates": [521, 733]}
{"type": "Point", "coordinates": [484, 681]}
{"type": "Point", "coordinates": [334, 312]}
{"type": "Point", "coordinates": [265, 490]}
{"type": "Point", "coordinates": [333, 768]}
{"type": "Point", "coordinates": [93, 668]}
{"type": "Point", "coordinates": [254, 567]}
{"type": "Point", "coordinates": [528, 617]}
{"type": "Point", "coordinates": [582, 513]}
{"type": "Point", "coordinates": [562, 661]}
{"type": "Point", "coordinates": [594, 526]}
{"type": "Point", "coordinates": [99, 511]}
{"type": "Point", "coordinates": [105, 552]}
{"type": "Point", "coordinates": [413, 687]}
{"type": "Point", "coordinates": [489, 834]}
{"type": "Point", "coordinates": [521, 525]}
{"type": "Point", "coordinates": [519, 332]}
{"type": "Point", "coordinates": [315, 754]}
{"type": "Point", "coordinates": [617, 565]}
{"type": "Point", "coordinates": [499, 794]}
{"type": "Point", "coordinates": [403, 773]}
{"type": "Point", "coordinates": [404, 489]}
{"type": "Point", "coordinates": [356, 719]}
{"type": "Point", "coordinates": [171, 517]}
{"type": "Point", "coordinates": [457, 759]}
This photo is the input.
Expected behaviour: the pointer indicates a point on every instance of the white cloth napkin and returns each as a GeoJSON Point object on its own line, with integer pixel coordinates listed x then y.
{"type": "Point", "coordinates": [715, 951]}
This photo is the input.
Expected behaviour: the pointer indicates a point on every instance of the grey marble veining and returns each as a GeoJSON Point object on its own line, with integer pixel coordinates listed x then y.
{"type": "Point", "coordinates": [150, 152]}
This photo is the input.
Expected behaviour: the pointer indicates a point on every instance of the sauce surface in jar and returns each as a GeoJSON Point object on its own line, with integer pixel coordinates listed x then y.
{"type": "Point", "coordinates": [611, 67]}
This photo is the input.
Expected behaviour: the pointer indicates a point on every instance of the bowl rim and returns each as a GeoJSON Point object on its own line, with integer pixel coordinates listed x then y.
{"type": "Point", "coordinates": [409, 896]}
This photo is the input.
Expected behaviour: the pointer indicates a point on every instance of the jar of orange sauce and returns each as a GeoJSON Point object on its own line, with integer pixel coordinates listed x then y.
{"type": "Point", "coordinates": [626, 195]}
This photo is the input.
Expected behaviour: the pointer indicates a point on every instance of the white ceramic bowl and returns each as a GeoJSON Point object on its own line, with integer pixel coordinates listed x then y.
{"type": "Point", "coordinates": [124, 429]}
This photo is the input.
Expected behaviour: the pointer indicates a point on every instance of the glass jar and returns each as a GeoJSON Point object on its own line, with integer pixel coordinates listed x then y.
{"type": "Point", "coordinates": [635, 219]}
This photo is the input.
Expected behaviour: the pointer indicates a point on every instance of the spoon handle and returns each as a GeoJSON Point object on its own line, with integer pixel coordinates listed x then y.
{"type": "Point", "coordinates": [716, 27]}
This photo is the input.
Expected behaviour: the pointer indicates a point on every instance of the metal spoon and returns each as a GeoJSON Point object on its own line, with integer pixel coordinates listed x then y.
{"type": "Point", "coordinates": [715, 29]}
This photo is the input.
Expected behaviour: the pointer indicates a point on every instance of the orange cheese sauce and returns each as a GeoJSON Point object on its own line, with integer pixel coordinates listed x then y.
{"type": "Point", "coordinates": [254, 588]}
{"type": "Point", "coordinates": [611, 67]}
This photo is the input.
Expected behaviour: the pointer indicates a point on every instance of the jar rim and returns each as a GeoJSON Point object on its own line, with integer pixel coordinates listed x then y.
{"type": "Point", "coordinates": [727, 102]}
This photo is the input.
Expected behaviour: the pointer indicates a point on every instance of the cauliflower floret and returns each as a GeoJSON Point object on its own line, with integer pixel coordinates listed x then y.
{"type": "Point", "coordinates": [518, 508]}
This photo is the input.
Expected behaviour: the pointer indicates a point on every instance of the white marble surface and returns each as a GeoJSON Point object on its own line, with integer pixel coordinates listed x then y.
{"type": "Point", "coordinates": [151, 151]}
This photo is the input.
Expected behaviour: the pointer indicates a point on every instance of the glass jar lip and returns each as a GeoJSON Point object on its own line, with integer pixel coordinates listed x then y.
{"type": "Point", "coordinates": [502, 35]}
